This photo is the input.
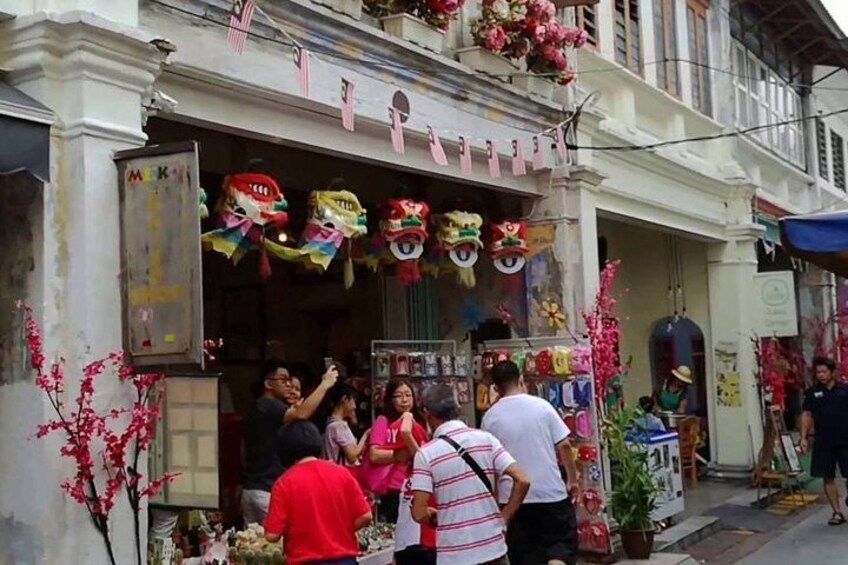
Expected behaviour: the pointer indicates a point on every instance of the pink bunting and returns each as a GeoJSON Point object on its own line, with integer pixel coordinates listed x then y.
{"type": "Point", "coordinates": [494, 159]}
{"type": "Point", "coordinates": [560, 142]}
{"type": "Point", "coordinates": [347, 105]}
{"type": "Point", "coordinates": [304, 73]}
{"type": "Point", "coordinates": [538, 156]}
{"type": "Point", "coordinates": [519, 167]}
{"type": "Point", "coordinates": [397, 131]}
{"type": "Point", "coordinates": [464, 155]}
{"type": "Point", "coordinates": [436, 149]}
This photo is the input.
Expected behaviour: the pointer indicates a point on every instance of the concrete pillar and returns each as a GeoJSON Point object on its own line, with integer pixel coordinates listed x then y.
{"type": "Point", "coordinates": [738, 432]}
{"type": "Point", "coordinates": [94, 74]}
{"type": "Point", "coordinates": [567, 270]}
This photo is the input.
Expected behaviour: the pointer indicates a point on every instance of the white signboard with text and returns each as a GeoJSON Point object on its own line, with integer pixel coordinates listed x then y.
{"type": "Point", "coordinates": [775, 308]}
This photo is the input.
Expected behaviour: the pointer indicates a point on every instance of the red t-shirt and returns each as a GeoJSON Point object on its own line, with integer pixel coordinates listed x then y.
{"type": "Point", "coordinates": [314, 506]}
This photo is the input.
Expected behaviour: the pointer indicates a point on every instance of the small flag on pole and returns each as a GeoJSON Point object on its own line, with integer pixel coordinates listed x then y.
{"type": "Point", "coordinates": [494, 159]}
{"type": "Point", "coordinates": [397, 131]}
{"type": "Point", "coordinates": [436, 149]}
{"type": "Point", "coordinates": [538, 156]}
{"type": "Point", "coordinates": [304, 73]}
{"type": "Point", "coordinates": [519, 167]}
{"type": "Point", "coordinates": [347, 104]}
{"type": "Point", "coordinates": [560, 142]}
{"type": "Point", "coordinates": [241, 15]}
{"type": "Point", "coordinates": [464, 155]}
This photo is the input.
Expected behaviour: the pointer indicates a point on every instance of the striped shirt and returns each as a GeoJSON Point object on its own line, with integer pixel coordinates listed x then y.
{"type": "Point", "coordinates": [470, 527]}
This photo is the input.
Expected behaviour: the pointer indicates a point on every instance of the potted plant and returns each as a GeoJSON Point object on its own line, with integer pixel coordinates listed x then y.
{"type": "Point", "coordinates": [499, 38]}
{"type": "Point", "coordinates": [634, 490]}
{"type": "Point", "coordinates": [423, 22]}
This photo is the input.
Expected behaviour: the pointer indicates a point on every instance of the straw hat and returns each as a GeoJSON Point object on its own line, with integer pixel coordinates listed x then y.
{"type": "Point", "coordinates": [683, 373]}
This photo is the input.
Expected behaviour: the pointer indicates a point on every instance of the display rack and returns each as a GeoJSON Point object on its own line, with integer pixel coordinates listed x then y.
{"type": "Point", "coordinates": [560, 372]}
{"type": "Point", "coordinates": [423, 362]}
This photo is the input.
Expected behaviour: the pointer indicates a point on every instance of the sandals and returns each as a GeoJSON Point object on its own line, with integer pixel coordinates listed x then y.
{"type": "Point", "coordinates": [836, 520]}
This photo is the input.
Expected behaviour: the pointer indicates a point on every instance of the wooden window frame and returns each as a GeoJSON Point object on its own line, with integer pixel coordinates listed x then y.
{"type": "Point", "coordinates": [837, 158]}
{"type": "Point", "coordinates": [668, 73]}
{"type": "Point", "coordinates": [697, 16]}
{"type": "Point", "coordinates": [592, 30]}
{"type": "Point", "coordinates": [632, 56]}
{"type": "Point", "coordinates": [822, 142]}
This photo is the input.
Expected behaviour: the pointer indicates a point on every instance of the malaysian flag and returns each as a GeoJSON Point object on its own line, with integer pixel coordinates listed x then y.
{"type": "Point", "coordinates": [538, 156]}
{"type": "Point", "coordinates": [519, 167]}
{"type": "Point", "coordinates": [347, 104]}
{"type": "Point", "coordinates": [436, 149]}
{"type": "Point", "coordinates": [304, 75]}
{"type": "Point", "coordinates": [464, 155]}
{"type": "Point", "coordinates": [397, 131]}
{"type": "Point", "coordinates": [560, 142]}
{"type": "Point", "coordinates": [494, 159]}
{"type": "Point", "coordinates": [240, 17]}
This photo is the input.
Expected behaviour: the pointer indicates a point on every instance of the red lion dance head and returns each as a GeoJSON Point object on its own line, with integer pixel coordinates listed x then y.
{"type": "Point", "coordinates": [403, 226]}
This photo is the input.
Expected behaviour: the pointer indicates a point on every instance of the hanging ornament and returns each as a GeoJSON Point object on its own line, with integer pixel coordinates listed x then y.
{"type": "Point", "coordinates": [404, 228]}
{"type": "Point", "coordinates": [507, 243]}
{"type": "Point", "coordinates": [348, 113]}
{"type": "Point", "coordinates": [458, 237]}
{"type": "Point", "coordinates": [250, 213]}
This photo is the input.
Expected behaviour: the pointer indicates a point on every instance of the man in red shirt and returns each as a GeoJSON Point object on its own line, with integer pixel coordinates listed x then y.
{"type": "Point", "coordinates": [317, 506]}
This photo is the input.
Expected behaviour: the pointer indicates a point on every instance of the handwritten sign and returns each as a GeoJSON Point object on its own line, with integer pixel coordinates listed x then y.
{"type": "Point", "coordinates": [776, 313]}
{"type": "Point", "coordinates": [160, 245]}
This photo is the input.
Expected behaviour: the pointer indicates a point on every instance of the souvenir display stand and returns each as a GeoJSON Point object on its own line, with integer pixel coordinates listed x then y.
{"type": "Point", "coordinates": [423, 363]}
{"type": "Point", "coordinates": [666, 468]}
{"type": "Point", "coordinates": [560, 371]}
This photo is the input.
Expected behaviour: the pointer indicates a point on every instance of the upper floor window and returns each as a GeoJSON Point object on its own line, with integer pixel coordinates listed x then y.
{"type": "Point", "coordinates": [837, 153]}
{"type": "Point", "coordinates": [821, 148]}
{"type": "Point", "coordinates": [696, 20]}
{"type": "Point", "coordinates": [628, 50]}
{"type": "Point", "coordinates": [762, 98]}
{"type": "Point", "coordinates": [587, 19]}
{"type": "Point", "coordinates": [666, 46]}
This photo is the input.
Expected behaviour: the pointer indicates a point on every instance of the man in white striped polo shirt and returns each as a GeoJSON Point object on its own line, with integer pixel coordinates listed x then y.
{"type": "Point", "coordinates": [459, 467]}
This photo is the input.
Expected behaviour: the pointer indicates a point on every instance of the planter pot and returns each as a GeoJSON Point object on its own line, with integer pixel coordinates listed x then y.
{"type": "Point", "coordinates": [536, 85]}
{"type": "Point", "coordinates": [637, 545]}
{"type": "Point", "coordinates": [352, 8]}
{"type": "Point", "coordinates": [415, 31]}
{"type": "Point", "coordinates": [484, 61]}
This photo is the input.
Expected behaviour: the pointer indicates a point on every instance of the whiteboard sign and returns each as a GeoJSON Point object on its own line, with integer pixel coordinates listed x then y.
{"type": "Point", "coordinates": [775, 309]}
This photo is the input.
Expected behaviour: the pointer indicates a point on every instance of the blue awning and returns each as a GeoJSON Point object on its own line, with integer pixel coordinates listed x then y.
{"type": "Point", "coordinates": [821, 239]}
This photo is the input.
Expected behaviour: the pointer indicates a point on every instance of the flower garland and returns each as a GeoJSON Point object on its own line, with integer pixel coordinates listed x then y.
{"type": "Point", "coordinates": [604, 332]}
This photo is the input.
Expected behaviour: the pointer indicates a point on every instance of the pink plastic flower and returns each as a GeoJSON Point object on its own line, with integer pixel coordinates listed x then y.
{"type": "Point", "coordinates": [495, 39]}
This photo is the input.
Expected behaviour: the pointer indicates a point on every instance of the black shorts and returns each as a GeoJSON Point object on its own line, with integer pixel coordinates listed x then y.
{"type": "Point", "coordinates": [415, 555]}
{"type": "Point", "coordinates": [541, 532]}
{"type": "Point", "coordinates": [389, 506]}
{"type": "Point", "coordinates": [826, 457]}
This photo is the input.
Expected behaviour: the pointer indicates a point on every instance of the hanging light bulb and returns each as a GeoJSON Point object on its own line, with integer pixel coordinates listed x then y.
{"type": "Point", "coordinates": [282, 237]}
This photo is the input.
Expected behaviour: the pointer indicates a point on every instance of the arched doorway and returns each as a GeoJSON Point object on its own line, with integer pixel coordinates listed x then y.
{"type": "Point", "coordinates": [680, 342]}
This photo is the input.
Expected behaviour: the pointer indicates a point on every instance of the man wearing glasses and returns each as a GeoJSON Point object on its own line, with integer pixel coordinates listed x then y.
{"type": "Point", "coordinates": [272, 412]}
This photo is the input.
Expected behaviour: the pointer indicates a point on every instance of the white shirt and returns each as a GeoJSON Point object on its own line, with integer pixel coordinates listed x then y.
{"type": "Point", "coordinates": [529, 428]}
{"type": "Point", "coordinates": [470, 526]}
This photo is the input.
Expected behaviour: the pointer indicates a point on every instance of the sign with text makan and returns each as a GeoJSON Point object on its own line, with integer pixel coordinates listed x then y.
{"type": "Point", "coordinates": [160, 257]}
{"type": "Point", "coordinates": [775, 309]}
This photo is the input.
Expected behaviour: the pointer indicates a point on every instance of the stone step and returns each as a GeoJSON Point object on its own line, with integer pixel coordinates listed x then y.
{"type": "Point", "coordinates": [687, 533]}
{"type": "Point", "coordinates": [662, 559]}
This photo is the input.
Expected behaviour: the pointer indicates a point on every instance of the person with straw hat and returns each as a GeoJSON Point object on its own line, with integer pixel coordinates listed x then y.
{"type": "Point", "coordinates": [673, 397]}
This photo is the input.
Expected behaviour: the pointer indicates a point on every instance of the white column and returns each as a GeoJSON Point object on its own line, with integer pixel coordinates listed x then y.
{"type": "Point", "coordinates": [570, 273]}
{"type": "Point", "coordinates": [94, 75]}
{"type": "Point", "coordinates": [738, 432]}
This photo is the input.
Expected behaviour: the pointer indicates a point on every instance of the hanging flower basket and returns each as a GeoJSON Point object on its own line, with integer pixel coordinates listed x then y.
{"type": "Point", "coordinates": [414, 30]}
{"type": "Point", "coordinates": [540, 86]}
{"type": "Point", "coordinates": [484, 61]}
{"type": "Point", "coordinates": [352, 8]}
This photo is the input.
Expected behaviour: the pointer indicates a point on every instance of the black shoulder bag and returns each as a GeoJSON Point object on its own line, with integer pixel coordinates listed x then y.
{"type": "Point", "coordinates": [471, 463]}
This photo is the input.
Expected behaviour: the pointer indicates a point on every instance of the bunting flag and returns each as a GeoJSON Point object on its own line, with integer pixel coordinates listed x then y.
{"type": "Point", "coordinates": [519, 167]}
{"type": "Point", "coordinates": [560, 143]}
{"type": "Point", "coordinates": [436, 149]}
{"type": "Point", "coordinates": [770, 249]}
{"type": "Point", "coordinates": [538, 156]}
{"type": "Point", "coordinates": [464, 155]}
{"type": "Point", "coordinates": [494, 159]}
{"type": "Point", "coordinates": [397, 131]}
{"type": "Point", "coordinates": [241, 15]}
{"type": "Point", "coordinates": [347, 105]}
{"type": "Point", "coordinates": [304, 74]}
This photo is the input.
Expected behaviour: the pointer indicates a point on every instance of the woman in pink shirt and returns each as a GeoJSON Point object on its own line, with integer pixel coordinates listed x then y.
{"type": "Point", "coordinates": [398, 400]}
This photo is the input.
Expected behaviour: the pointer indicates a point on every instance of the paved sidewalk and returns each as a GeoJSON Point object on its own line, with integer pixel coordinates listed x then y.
{"type": "Point", "coordinates": [810, 542]}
